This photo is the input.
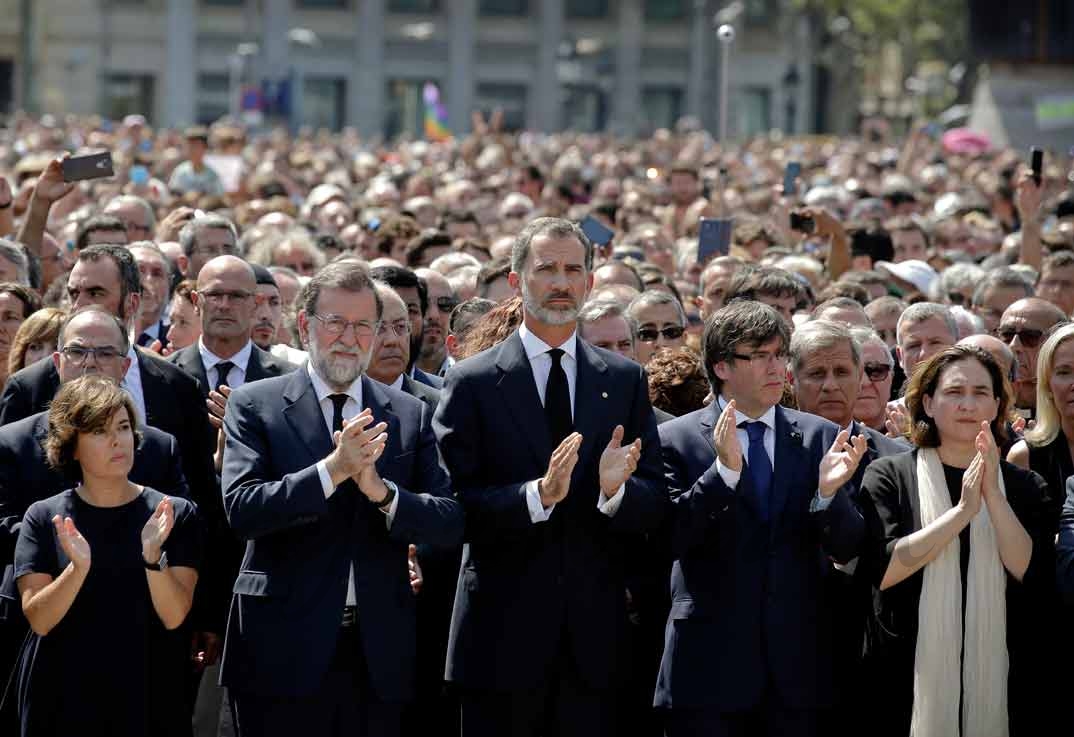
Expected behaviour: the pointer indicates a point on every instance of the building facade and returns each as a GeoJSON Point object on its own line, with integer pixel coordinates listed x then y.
{"type": "Point", "coordinates": [628, 66]}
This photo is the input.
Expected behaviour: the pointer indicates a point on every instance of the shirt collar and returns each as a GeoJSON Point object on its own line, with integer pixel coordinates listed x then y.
{"type": "Point", "coordinates": [768, 418]}
{"type": "Point", "coordinates": [240, 359]}
{"type": "Point", "coordinates": [354, 391]}
{"type": "Point", "coordinates": [398, 383]}
{"type": "Point", "coordinates": [132, 354]}
{"type": "Point", "coordinates": [534, 346]}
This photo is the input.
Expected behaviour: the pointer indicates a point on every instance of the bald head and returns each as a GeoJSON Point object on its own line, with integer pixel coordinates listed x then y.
{"type": "Point", "coordinates": [1000, 351]}
{"type": "Point", "coordinates": [1023, 327]}
{"type": "Point", "coordinates": [103, 343]}
{"type": "Point", "coordinates": [231, 269]}
{"type": "Point", "coordinates": [225, 298]}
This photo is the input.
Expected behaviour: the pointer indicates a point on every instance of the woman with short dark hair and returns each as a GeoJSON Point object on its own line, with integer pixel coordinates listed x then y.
{"type": "Point", "coordinates": [105, 570]}
{"type": "Point", "coordinates": [958, 546]}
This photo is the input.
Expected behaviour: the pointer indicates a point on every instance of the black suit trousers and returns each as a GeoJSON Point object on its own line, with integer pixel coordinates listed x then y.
{"type": "Point", "coordinates": [344, 705]}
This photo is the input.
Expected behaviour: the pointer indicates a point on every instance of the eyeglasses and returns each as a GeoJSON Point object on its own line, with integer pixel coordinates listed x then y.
{"type": "Point", "coordinates": [78, 354]}
{"type": "Point", "coordinates": [762, 358]}
{"type": "Point", "coordinates": [611, 345]}
{"type": "Point", "coordinates": [217, 298]}
{"type": "Point", "coordinates": [1029, 338]}
{"type": "Point", "coordinates": [400, 328]}
{"type": "Point", "coordinates": [446, 304]}
{"type": "Point", "coordinates": [214, 251]}
{"type": "Point", "coordinates": [877, 371]}
{"type": "Point", "coordinates": [336, 325]}
{"type": "Point", "coordinates": [671, 332]}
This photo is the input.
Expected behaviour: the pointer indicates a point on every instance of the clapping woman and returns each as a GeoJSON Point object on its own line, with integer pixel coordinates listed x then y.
{"type": "Point", "coordinates": [958, 542]}
{"type": "Point", "coordinates": [105, 570]}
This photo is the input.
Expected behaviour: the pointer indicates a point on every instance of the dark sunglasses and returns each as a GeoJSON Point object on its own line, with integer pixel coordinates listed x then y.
{"type": "Point", "coordinates": [1029, 338]}
{"type": "Point", "coordinates": [671, 332]}
{"type": "Point", "coordinates": [877, 371]}
{"type": "Point", "coordinates": [446, 304]}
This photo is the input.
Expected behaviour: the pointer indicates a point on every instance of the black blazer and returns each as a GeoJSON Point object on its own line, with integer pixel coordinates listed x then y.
{"type": "Point", "coordinates": [430, 380]}
{"type": "Point", "coordinates": [262, 365]}
{"type": "Point", "coordinates": [289, 596]}
{"type": "Point", "coordinates": [749, 609]}
{"type": "Point", "coordinates": [424, 392]}
{"type": "Point", "coordinates": [522, 584]}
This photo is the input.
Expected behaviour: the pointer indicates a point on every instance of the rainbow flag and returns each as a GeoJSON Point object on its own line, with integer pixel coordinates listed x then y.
{"type": "Point", "coordinates": [435, 115]}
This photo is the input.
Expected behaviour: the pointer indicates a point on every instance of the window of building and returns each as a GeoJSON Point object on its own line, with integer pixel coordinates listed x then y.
{"type": "Point", "coordinates": [324, 102]}
{"type": "Point", "coordinates": [586, 8]}
{"type": "Point", "coordinates": [661, 106]}
{"type": "Point", "coordinates": [322, 4]}
{"type": "Point", "coordinates": [213, 96]}
{"type": "Point", "coordinates": [225, 3]}
{"type": "Point", "coordinates": [413, 6]}
{"type": "Point", "coordinates": [585, 108]}
{"type": "Point", "coordinates": [753, 110]}
{"type": "Point", "coordinates": [503, 7]}
{"type": "Point", "coordinates": [665, 10]}
{"type": "Point", "coordinates": [404, 108]}
{"type": "Point", "coordinates": [126, 94]}
{"type": "Point", "coordinates": [510, 98]}
{"type": "Point", "coordinates": [760, 12]}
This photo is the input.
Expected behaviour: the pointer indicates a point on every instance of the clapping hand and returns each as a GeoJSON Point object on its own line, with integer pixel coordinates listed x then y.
{"type": "Point", "coordinates": [556, 483]}
{"type": "Point", "coordinates": [989, 452]}
{"type": "Point", "coordinates": [217, 404]}
{"type": "Point", "coordinates": [897, 422]}
{"type": "Point", "coordinates": [725, 438]}
{"type": "Point", "coordinates": [617, 462]}
{"type": "Point", "coordinates": [156, 530]}
{"type": "Point", "coordinates": [74, 546]}
{"type": "Point", "coordinates": [840, 462]}
{"type": "Point", "coordinates": [972, 481]}
{"type": "Point", "coordinates": [414, 568]}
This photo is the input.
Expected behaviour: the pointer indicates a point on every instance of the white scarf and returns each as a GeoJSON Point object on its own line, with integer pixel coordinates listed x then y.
{"type": "Point", "coordinates": [940, 637]}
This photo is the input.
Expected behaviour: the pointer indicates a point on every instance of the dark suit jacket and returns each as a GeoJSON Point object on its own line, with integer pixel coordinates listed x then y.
{"type": "Point", "coordinates": [748, 608]}
{"type": "Point", "coordinates": [428, 379]}
{"type": "Point", "coordinates": [424, 392]}
{"type": "Point", "coordinates": [170, 394]}
{"type": "Point", "coordinates": [524, 585]}
{"type": "Point", "coordinates": [290, 593]}
{"type": "Point", "coordinates": [262, 365]}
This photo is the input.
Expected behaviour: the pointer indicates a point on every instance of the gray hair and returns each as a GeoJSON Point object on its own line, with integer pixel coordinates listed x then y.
{"type": "Point", "coordinates": [864, 336]}
{"type": "Point", "coordinates": [819, 335]}
{"type": "Point", "coordinates": [350, 275]}
{"type": "Point", "coordinates": [130, 199]}
{"type": "Point", "coordinates": [921, 311]}
{"type": "Point", "coordinates": [957, 277]}
{"type": "Point", "coordinates": [264, 252]}
{"type": "Point", "coordinates": [656, 297]}
{"type": "Point", "coordinates": [1002, 278]}
{"type": "Point", "coordinates": [968, 323]}
{"type": "Point", "coordinates": [598, 309]}
{"type": "Point", "coordinates": [13, 252]}
{"type": "Point", "coordinates": [553, 228]}
{"type": "Point", "coordinates": [124, 340]}
{"type": "Point", "coordinates": [188, 236]}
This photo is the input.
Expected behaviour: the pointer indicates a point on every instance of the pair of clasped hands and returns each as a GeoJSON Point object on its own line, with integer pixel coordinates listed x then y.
{"type": "Point", "coordinates": [617, 464]}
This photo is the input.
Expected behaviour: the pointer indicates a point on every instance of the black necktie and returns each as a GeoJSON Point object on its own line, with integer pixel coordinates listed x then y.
{"type": "Point", "coordinates": [145, 339]}
{"type": "Point", "coordinates": [222, 370]}
{"type": "Point", "coordinates": [338, 400]}
{"type": "Point", "coordinates": [557, 400]}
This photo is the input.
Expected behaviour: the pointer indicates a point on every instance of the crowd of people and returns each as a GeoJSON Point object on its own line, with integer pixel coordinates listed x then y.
{"type": "Point", "coordinates": [324, 435]}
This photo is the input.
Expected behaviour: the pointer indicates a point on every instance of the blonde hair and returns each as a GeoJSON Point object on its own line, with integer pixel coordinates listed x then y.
{"type": "Point", "coordinates": [1049, 423]}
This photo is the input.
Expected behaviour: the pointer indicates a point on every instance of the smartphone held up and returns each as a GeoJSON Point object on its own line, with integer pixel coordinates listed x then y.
{"type": "Point", "coordinates": [91, 166]}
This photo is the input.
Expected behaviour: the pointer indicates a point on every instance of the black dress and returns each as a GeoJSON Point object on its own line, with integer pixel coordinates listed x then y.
{"type": "Point", "coordinates": [889, 503]}
{"type": "Point", "coordinates": [1053, 463]}
{"type": "Point", "coordinates": [109, 667]}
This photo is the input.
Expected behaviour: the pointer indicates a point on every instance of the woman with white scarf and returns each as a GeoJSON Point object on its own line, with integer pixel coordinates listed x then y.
{"type": "Point", "coordinates": [958, 544]}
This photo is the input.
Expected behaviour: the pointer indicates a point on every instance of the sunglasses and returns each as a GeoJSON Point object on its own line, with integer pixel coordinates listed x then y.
{"type": "Point", "coordinates": [446, 304]}
{"type": "Point", "coordinates": [671, 332]}
{"type": "Point", "coordinates": [1029, 338]}
{"type": "Point", "coordinates": [877, 371]}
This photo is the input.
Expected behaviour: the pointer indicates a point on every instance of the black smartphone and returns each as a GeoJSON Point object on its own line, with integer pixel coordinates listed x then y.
{"type": "Point", "coordinates": [802, 223]}
{"type": "Point", "coordinates": [791, 172]}
{"type": "Point", "coordinates": [1036, 161]}
{"type": "Point", "coordinates": [714, 238]}
{"type": "Point", "coordinates": [92, 166]}
{"type": "Point", "coordinates": [597, 233]}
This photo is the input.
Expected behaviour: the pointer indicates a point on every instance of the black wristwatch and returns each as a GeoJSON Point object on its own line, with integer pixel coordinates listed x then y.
{"type": "Point", "coordinates": [387, 500]}
{"type": "Point", "coordinates": [160, 565]}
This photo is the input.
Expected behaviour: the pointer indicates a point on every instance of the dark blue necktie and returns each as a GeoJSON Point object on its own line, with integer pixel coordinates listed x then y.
{"type": "Point", "coordinates": [760, 467]}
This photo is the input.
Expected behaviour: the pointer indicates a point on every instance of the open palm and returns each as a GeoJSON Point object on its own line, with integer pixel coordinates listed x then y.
{"type": "Point", "coordinates": [75, 547]}
{"type": "Point", "coordinates": [157, 528]}
{"type": "Point", "coordinates": [840, 462]}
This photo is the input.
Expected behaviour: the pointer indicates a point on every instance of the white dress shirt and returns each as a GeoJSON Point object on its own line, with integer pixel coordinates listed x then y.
{"type": "Point", "coordinates": [236, 377]}
{"type": "Point", "coordinates": [132, 384]}
{"type": "Point", "coordinates": [541, 365]}
{"type": "Point", "coordinates": [731, 478]}
{"type": "Point", "coordinates": [351, 408]}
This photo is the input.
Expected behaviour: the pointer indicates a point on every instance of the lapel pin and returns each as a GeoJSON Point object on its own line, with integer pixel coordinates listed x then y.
{"type": "Point", "coordinates": [604, 395]}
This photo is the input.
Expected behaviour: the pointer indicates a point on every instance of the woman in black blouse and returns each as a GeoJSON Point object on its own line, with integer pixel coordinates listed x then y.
{"type": "Point", "coordinates": [105, 571]}
{"type": "Point", "coordinates": [957, 542]}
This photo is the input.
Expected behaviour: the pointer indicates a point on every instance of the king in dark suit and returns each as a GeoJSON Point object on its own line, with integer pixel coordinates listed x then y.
{"type": "Point", "coordinates": [328, 477]}
{"type": "Point", "coordinates": [760, 503]}
{"type": "Point", "coordinates": [553, 451]}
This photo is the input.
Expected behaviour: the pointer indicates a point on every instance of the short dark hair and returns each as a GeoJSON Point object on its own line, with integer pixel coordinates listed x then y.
{"type": "Point", "coordinates": [458, 216]}
{"type": "Point", "coordinates": [81, 406]}
{"type": "Point", "coordinates": [419, 244]}
{"type": "Point", "coordinates": [395, 227]}
{"type": "Point", "coordinates": [398, 277]}
{"type": "Point", "coordinates": [904, 223]}
{"type": "Point", "coordinates": [926, 379]}
{"type": "Point", "coordinates": [31, 303]}
{"type": "Point", "coordinates": [746, 321]}
{"type": "Point", "coordinates": [130, 280]}
{"type": "Point", "coordinates": [554, 228]}
{"type": "Point", "coordinates": [490, 272]}
{"type": "Point", "coordinates": [97, 224]}
{"type": "Point", "coordinates": [869, 239]}
{"type": "Point", "coordinates": [1058, 260]}
{"type": "Point", "coordinates": [1004, 278]}
{"type": "Point", "coordinates": [350, 275]}
{"type": "Point", "coordinates": [466, 312]}
{"type": "Point", "coordinates": [844, 290]}
{"type": "Point", "coordinates": [769, 281]}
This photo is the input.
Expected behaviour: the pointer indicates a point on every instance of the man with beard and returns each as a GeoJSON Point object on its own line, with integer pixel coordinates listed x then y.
{"type": "Point", "coordinates": [553, 452]}
{"type": "Point", "coordinates": [416, 295]}
{"type": "Point", "coordinates": [328, 476]}
{"type": "Point", "coordinates": [268, 318]}
{"type": "Point", "coordinates": [441, 301]}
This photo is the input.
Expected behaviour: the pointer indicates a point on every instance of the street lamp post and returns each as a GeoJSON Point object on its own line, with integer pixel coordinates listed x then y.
{"type": "Point", "coordinates": [790, 97]}
{"type": "Point", "coordinates": [726, 36]}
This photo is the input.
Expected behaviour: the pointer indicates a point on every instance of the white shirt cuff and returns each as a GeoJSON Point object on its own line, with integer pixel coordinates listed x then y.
{"type": "Point", "coordinates": [326, 479]}
{"type": "Point", "coordinates": [533, 502]}
{"type": "Point", "coordinates": [729, 477]}
{"type": "Point", "coordinates": [390, 511]}
{"type": "Point", "coordinates": [609, 506]}
{"type": "Point", "coordinates": [820, 503]}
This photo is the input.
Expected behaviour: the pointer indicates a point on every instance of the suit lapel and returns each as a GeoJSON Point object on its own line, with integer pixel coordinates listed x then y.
{"type": "Point", "coordinates": [521, 399]}
{"type": "Point", "coordinates": [303, 413]}
{"type": "Point", "coordinates": [189, 360]}
{"type": "Point", "coordinates": [790, 464]}
{"type": "Point", "coordinates": [593, 397]}
{"type": "Point", "coordinates": [260, 366]}
{"type": "Point", "coordinates": [377, 401]}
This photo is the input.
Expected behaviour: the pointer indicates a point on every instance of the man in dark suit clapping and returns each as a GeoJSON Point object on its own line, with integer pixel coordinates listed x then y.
{"type": "Point", "coordinates": [327, 477]}
{"type": "Point", "coordinates": [553, 451]}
